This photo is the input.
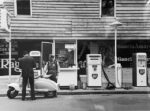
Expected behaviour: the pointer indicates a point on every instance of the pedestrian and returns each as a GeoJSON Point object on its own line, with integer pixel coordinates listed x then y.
{"type": "Point", "coordinates": [26, 64]}
{"type": "Point", "coordinates": [51, 68]}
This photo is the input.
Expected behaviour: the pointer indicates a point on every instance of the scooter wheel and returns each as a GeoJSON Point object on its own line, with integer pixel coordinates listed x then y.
{"type": "Point", "coordinates": [54, 93]}
{"type": "Point", "coordinates": [46, 95]}
{"type": "Point", "coordinates": [50, 94]}
{"type": "Point", "coordinates": [12, 93]}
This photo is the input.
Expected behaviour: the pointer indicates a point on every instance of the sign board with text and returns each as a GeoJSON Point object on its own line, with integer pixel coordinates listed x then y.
{"type": "Point", "coordinates": [4, 20]}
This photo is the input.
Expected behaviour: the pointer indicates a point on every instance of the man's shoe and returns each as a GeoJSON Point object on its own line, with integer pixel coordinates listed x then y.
{"type": "Point", "coordinates": [23, 99]}
{"type": "Point", "coordinates": [33, 98]}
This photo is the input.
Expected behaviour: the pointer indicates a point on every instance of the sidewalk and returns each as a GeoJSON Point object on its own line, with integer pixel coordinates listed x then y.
{"type": "Point", "coordinates": [4, 81]}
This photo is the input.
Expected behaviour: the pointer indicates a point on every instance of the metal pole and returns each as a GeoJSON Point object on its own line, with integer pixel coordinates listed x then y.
{"type": "Point", "coordinates": [42, 68]}
{"type": "Point", "coordinates": [116, 50]}
{"type": "Point", "coordinates": [53, 47]}
{"type": "Point", "coordinates": [10, 55]}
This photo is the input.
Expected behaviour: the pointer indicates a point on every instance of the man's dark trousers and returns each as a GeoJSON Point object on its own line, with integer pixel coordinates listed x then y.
{"type": "Point", "coordinates": [27, 64]}
{"type": "Point", "coordinates": [24, 83]}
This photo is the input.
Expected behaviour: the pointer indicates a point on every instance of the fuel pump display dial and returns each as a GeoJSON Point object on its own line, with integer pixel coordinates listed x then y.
{"type": "Point", "coordinates": [141, 61]}
{"type": "Point", "coordinates": [94, 67]}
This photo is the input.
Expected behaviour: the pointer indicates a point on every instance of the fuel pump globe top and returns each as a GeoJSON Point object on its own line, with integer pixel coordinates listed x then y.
{"type": "Point", "coordinates": [35, 53]}
{"type": "Point", "coordinates": [94, 62]}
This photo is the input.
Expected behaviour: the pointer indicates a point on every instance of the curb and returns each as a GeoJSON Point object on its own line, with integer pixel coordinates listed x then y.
{"type": "Point", "coordinates": [102, 92]}
{"type": "Point", "coordinates": [68, 92]}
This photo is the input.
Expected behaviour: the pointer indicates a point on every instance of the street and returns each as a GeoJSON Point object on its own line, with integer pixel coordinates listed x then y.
{"type": "Point", "coordinates": [99, 102]}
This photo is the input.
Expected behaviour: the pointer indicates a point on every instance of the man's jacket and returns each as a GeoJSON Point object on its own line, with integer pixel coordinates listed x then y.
{"type": "Point", "coordinates": [27, 64]}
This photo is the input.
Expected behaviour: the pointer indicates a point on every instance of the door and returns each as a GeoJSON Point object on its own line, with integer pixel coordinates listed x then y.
{"type": "Point", "coordinates": [46, 50]}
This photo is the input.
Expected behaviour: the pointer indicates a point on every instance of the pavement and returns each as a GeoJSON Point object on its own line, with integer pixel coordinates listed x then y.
{"type": "Point", "coordinates": [125, 89]}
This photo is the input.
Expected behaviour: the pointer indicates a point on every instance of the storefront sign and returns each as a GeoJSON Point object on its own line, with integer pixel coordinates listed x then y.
{"type": "Point", "coordinates": [124, 59]}
{"type": "Point", "coordinates": [1, 2]}
{"type": "Point", "coordinates": [70, 46]}
{"type": "Point", "coordinates": [134, 46]}
{"type": "Point", "coordinates": [4, 48]}
{"type": "Point", "coordinates": [4, 66]}
{"type": "Point", "coordinates": [4, 57]}
{"type": "Point", "coordinates": [14, 64]}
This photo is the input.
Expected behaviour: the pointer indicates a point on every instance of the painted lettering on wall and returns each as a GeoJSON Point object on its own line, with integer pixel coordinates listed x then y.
{"type": "Point", "coordinates": [5, 64]}
{"type": "Point", "coordinates": [134, 46]}
{"type": "Point", "coordinates": [124, 59]}
{"type": "Point", "coordinates": [82, 64]}
{"type": "Point", "coordinates": [4, 48]}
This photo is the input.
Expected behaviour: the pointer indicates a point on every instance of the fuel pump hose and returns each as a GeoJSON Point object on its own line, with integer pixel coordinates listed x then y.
{"type": "Point", "coordinates": [110, 85]}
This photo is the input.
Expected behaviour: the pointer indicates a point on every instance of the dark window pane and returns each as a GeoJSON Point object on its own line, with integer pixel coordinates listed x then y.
{"type": "Point", "coordinates": [107, 7]}
{"type": "Point", "coordinates": [23, 7]}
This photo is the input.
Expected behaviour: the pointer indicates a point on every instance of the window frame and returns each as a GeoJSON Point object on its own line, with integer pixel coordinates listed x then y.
{"type": "Point", "coordinates": [15, 10]}
{"type": "Point", "coordinates": [56, 42]}
{"type": "Point", "coordinates": [100, 10]}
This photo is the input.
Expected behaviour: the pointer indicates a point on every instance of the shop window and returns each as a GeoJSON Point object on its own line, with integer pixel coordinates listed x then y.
{"type": "Point", "coordinates": [107, 8]}
{"type": "Point", "coordinates": [65, 54]}
{"type": "Point", "coordinates": [23, 7]}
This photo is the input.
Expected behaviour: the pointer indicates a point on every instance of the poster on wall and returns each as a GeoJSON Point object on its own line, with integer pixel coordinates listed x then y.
{"type": "Point", "coordinates": [4, 58]}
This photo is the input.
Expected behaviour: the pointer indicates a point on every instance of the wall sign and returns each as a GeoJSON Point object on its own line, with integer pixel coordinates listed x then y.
{"type": "Point", "coordinates": [4, 20]}
{"type": "Point", "coordinates": [4, 48]}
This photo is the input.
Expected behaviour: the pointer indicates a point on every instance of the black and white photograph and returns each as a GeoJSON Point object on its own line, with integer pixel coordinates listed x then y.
{"type": "Point", "coordinates": [75, 55]}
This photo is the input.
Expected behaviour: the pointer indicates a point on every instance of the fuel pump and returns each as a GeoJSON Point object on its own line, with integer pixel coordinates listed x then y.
{"type": "Point", "coordinates": [37, 56]}
{"type": "Point", "coordinates": [139, 75]}
{"type": "Point", "coordinates": [94, 70]}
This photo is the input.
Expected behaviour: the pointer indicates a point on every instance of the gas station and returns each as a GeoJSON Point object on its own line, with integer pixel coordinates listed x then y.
{"type": "Point", "coordinates": [66, 53]}
{"type": "Point", "coordinates": [103, 62]}
{"type": "Point", "coordinates": [68, 70]}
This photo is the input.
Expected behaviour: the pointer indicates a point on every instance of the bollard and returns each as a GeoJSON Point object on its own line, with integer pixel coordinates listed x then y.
{"type": "Point", "coordinates": [72, 87]}
{"type": "Point", "coordinates": [84, 85]}
{"type": "Point", "coordinates": [118, 76]}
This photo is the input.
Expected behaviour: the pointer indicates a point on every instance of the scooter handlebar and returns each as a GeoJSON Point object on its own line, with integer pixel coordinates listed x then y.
{"type": "Point", "coordinates": [47, 76]}
{"type": "Point", "coordinates": [42, 76]}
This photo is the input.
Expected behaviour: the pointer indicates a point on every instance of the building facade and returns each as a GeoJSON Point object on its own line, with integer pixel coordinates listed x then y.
{"type": "Point", "coordinates": [80, 24]}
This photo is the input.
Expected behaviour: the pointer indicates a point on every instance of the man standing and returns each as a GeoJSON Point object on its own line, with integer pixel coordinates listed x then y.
{"type": "Point", "coordinates": [27, 64]}
{"type": "Point", "coordinates": [52, 68]}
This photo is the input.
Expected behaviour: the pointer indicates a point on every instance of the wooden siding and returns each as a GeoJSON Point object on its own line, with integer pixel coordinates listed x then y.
{"type": "Point", "coordinates": [79, 19]}
{"type": "Point", "coordinates": [0, 17]}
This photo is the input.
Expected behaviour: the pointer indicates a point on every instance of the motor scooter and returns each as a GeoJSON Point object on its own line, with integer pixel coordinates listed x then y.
{"type": "Point", "coordinates": [42, 85]}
